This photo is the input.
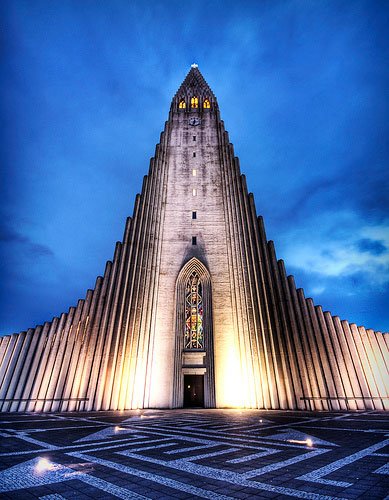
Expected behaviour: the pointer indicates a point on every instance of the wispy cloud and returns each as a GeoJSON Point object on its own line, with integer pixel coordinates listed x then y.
{"type": "Point", "coordinates": [340, 244]}
{"type": "Point", "coordinates": [12, 241]}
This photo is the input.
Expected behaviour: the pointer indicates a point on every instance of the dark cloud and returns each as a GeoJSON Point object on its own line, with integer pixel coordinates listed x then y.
{"type": "Point", "coordinates": [353, 297]}
{"type": "Point", "coordinates": [11, 241]}
{"type": "Point", "coordinates": [371, 246]}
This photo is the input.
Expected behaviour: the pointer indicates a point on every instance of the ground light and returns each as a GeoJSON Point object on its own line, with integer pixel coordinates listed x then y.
{"type": "Point", "coordinates": [308, 441]}
{"type": "Point", "coordinates": [43, 465]}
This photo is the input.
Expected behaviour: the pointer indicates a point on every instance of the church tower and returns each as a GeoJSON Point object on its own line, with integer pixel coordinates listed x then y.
{"type": "Point", "coordinates": [194, 309]}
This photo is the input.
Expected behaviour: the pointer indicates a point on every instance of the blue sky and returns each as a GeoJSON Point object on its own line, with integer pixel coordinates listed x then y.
{"type": "Point", "coordinates": [86, 88]}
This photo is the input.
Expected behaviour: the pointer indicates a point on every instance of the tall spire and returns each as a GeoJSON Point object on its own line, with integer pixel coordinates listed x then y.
{"type": "Point", "coordinates": [194, 85]}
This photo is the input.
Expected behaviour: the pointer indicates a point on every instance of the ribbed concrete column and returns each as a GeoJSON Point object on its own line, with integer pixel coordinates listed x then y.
{"type": "Point", "coordinates": [18, 361]}
{"type": "Point", "coordinates": [379, 362]}
{"type": "Point", "coordinates": [3, 347]}
{"type": "Point", "coordinates": [98, 375]}
{"type": "Point", "coordinates": [357, 363]}
{"type": "Point", "coordinates": [6, 387]}
{"type": "Point", "coordinates": [333, 361]}
{"type": "Point", "coordinates": [297, 341]}
{"type": "Point", "coordinates": [91, 350]}
{"type": "Point", "coordinates": [290, 367]}
{"type": "Point", "coordinates": [324, 359]}
{"type": "Point", "coordinates": [20, 376]}
{"type": "Point", "coordinates": [386, 338]}
{"type": "Point", "coordinates": [35, 367]}
{"type": "Point", "coordinates": [342, 371]}
{"type": "Point", "coordinates": [56, 356]}
{"type": "Point", "coordinates": [368, 374]}
{"type": "Point", "coordinates": [355, 389]}
{"type": "Point", "coordinates": [267, 334]}
{"type": "Point", "coordinates": [64, 355]}
{"type": "Point", "coordinates": [6, 359]}
{"type": "Point", "coordinates": [77, 387]}
{"type": "Point", "coordinates": [69, 382]}
{"type": "Point", "coordinates": [161, 169]}
{"type": "Point", "coordinates": [309, 351]}
{"type": "Point", "coordinates": [374, 366]}
{"type": "Point", "coordinates": [39, 386]}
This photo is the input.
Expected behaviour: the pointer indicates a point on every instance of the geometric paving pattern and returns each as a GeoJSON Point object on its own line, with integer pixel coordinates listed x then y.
{"type": "Point", "coordinates": [191, 454]}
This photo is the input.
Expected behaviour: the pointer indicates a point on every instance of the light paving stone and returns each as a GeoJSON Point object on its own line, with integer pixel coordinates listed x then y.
{"type": "Point", "coordinates": [158, 459]}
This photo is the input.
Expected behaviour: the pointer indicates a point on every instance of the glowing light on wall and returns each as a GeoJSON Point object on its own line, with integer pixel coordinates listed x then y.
{"type": "Point", "coordinates": [231, 391]}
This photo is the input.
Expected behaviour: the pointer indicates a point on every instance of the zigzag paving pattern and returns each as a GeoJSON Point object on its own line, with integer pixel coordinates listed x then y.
{"type": "Point", "coordinates": [191, 454]}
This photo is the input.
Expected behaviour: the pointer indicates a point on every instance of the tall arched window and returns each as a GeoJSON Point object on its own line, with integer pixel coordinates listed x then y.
{"type": "Point", "coordinates": [193, 334]}
{"type": "Point", "coordinates": [206, 104]}
{"type": "Point", "coordinates": [193, 313]}
{"type": "Point", "coordinates": [194, 102]}
{"type": "Point", "coordinates": [182, 104]}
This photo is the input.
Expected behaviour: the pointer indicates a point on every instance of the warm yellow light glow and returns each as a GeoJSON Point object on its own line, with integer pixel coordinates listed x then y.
{"type": "Point", "coordinates": [194, 191]}
{"type": "Point", "coordinates": [231, 389]}
{"type": "Point", "coordinates": [194, 171]}
{"type": "Point", "coordinates": [42, 465]}
{"type": "Point", "coordinates": [194, 102]}
{"type": "Point", "coordinates": [308, 441]}
{"type": "Point", "coordinates": [207, 104]}
{"type": "Point", "coordinates": [137, 393]}
{"type": "Point", "coordinates": [188, 386]}
{"type": "Point", "coordinates": [182, 104]}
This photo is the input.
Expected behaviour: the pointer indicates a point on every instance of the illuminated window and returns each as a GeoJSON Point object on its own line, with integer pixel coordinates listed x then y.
{"type": "Point", "coordinates": [182, 104]}
{"type": "Point", "coordinates": [194, 172]}
{"type": "Point", "coordinates": [194, 313]}
{"type": "Point", "coordinates": [194, 191]}
{"type": "Point", "coordinates": [194, 214]}
{"type": "Point", "coordinates": [194, 102]}
{"type": "Point", "coordinates": [206, 104]}
{"type": "Point", "coordinates": [194, 154]}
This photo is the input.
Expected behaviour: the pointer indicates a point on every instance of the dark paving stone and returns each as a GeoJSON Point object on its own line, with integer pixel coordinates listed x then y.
{"type": "Point", "coordinates": [117, 463]}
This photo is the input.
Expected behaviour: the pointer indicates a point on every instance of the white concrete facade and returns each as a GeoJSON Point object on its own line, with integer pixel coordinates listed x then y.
{"type": "Point", "coordinates": [265, 344]}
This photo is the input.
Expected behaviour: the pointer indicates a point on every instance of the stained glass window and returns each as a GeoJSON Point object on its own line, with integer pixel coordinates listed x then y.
{"type": "Point", "coordinates": [194, 313]}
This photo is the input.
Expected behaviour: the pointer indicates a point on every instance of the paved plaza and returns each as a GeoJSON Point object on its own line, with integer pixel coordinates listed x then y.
{"type": "Point", "coordinates": [185, 454]}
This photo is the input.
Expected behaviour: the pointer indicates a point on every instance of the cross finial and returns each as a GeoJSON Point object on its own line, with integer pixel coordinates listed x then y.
{"type": "Point", "coordinates": [194, 65]}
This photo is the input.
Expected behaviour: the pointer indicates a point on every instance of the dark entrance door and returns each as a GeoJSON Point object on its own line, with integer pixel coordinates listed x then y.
{"type": "Point", "coordinates": [194, 391]}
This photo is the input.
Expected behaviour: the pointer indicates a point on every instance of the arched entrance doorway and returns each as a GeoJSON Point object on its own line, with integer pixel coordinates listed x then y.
{"type": "Point", "coordinates": [194, 376]}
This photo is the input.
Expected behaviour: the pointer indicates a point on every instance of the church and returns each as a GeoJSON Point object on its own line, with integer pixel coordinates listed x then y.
{"type": "Point", "coordinates": [194, 310]}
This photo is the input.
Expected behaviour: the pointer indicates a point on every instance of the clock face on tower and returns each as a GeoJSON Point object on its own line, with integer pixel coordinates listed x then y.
{"type": "Point", "coordinates": [194, 121]}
